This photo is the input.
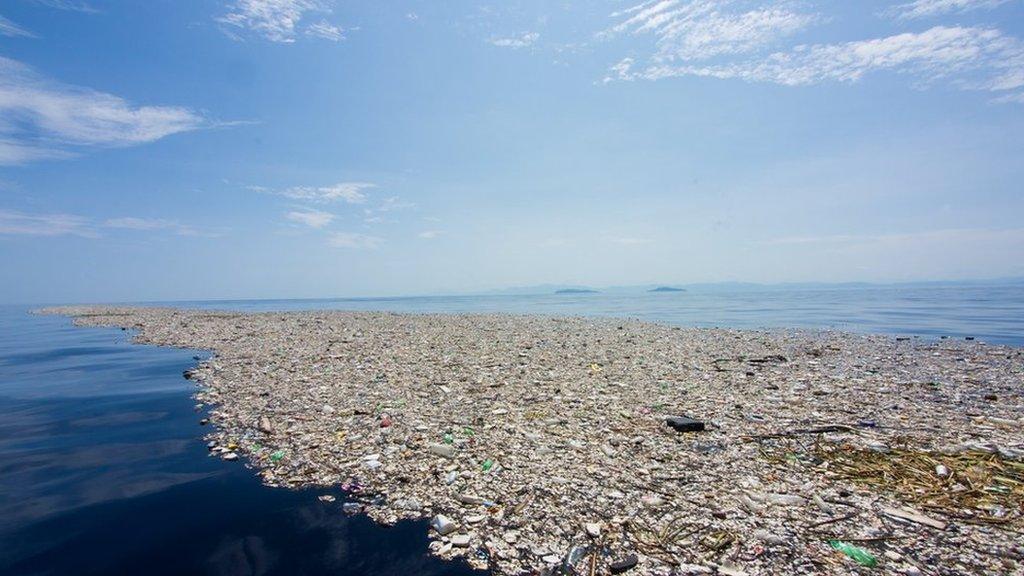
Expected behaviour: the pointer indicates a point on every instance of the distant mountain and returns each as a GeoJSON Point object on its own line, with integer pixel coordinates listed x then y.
{"type": "Point", "coordinates": [666, 289]}
{"type": "Point", "coordinates": [575, 291]}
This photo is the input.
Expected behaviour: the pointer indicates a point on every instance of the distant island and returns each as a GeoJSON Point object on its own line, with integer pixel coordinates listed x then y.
{"type": "Point", "coordinates": [575, 291]}
{"type": "Point", "coordinates": [666, 289]}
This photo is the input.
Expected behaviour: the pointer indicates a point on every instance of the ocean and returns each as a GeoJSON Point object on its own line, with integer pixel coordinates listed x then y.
{"type": "Point", "coordinates": [103, 469]}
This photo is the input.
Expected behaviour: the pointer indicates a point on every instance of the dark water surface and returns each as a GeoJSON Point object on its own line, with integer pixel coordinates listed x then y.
{"type": "Point", "coordinates": [103, 469]}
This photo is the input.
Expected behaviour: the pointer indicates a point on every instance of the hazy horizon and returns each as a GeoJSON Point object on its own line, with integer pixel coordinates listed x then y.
{"type": "Point", "coordinates": [726, 287]}
{"type": "Point", "coordinates": [301, 148]}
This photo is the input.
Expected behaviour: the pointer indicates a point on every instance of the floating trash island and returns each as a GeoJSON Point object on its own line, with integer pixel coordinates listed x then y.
{"type": "Point", "coordinates": [546, 445]}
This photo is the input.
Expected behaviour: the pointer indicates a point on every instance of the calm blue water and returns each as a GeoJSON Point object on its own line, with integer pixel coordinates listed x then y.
{"type": "Point", "coordinates": [993, 313]}
{"type": "Point", "coordinates": [103, 469]}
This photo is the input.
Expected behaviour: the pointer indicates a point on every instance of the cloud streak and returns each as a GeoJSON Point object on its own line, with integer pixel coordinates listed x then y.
{"type": "Point", "coordinates": [133, 223]}
{"type": "Point", "coordinates": [15, 223]}
{"type": "Point", "coordinates": [40, 118]}
{"type": "Point", "coordinates": [10, 29]}
{"type": "Point", "coordinates": [311, 218]}
{"type": "Point", "coordinates": [524, 40]}
{"type": "Point", "coordinates": [327, 31]}
{"type": "Point", "coordinates": [932, 8]}
{"type": "Point", "coordinates": [279, 20]}
{"type": "Point", "coordinates": [19, 223]}
{"type": "Point", "coordinates": [348, 192]}
{"type": "Point", "coordinates": [727, 39]}
{"type": "Point", "coordinates": [69, 5]}
{"type": "Point", "coordinates": [702, 29]}
{"type": "Point", "coordinates": [354, 240]}
{"type": "Point", "coordinates": [971, 58]}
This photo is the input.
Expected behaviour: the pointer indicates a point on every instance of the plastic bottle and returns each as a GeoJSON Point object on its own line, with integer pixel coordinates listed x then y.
{"type": "Point", "coordinates": [863, 557]}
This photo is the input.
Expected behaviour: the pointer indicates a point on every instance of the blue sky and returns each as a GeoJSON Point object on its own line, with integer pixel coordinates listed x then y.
{"type": "Point", "coordinates": [313, 148]}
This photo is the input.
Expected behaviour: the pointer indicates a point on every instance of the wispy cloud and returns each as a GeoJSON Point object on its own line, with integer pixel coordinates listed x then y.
{"type": "Point", "coordinates": [701, 29]}
{"type": "Point", "coordinates": [429, 234]}
{"type": "Point", "coordinates": [724, 39]}
{"type": "Point", "coordinates": [13, 222]}
{"type": "Point", "coordinates": [70, 5]}
{"type": "Point", "coordinates": [353, 240]}
{"type": "Point", "coordinates": [930, 8]}
{"type": "Point", "coordinates": [173, 226]}
{"type": "Point", "coordinates": [40, 118]}
{"type": "Point", "coordinates": [1015, 98]}
{"type": "Point", "coordinates": [19, 223]}
{"type": "Point", "coordinates": [375, 214]}
{"type": "Point", "coordinates": [311, 218]}
{"type": "Point", "coordinates": [326, 30]}
{"type": "Point", "coordinates": [349, 192]}
{"type": "Point", "coordinates": [279, 20]}
{"type": "Point", "coordinates": [8, 28]}
{"type": "Point", "coordinates": [972, 58]}
{"type": "Point", "coordinates": [14, 152]}
{"type": "Point", "coordinates": [524, 40]}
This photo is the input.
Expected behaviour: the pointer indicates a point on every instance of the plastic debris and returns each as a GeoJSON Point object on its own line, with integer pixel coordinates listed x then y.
{"type": "Point", "coordinates": [786, 466]}
{"type": "Point", "coordinates": [443, 525]}
{"type": "Point", "coordinates": [861, 556]}
{"type": "Point", "coordinates": [684, 424]}
{"type": "Point", "coordinates": [914, 516]}
{"type": "Point", "coordinates": [442, 450]}
{"type": "Point", "coordinates": [623, 564]}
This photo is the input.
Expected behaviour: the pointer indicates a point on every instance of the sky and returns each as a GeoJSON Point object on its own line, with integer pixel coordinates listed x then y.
{"type": "Point", "coordinates": [194, 149]}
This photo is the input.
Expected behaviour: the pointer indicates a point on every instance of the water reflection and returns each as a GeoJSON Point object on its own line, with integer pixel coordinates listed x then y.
{"type": "Point", "coordinates": [103, 471]}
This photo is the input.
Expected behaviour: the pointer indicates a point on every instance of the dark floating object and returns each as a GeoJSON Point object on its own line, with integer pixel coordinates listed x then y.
{"type": "Point", "coordinates": [684, 424]}
{"type": "Point", "coordinates": [620, 566]}
{"type": "Point", "coordinates": [969, 338]}
{"type": "Point", "coordinates": [776, 358]}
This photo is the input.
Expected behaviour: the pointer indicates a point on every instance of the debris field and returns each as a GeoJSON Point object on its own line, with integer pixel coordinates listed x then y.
{"type": "Point", "coordinates": [548, 445]}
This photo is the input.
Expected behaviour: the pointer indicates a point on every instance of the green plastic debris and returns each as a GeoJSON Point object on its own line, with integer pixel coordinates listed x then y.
{"type": "Point", "coordinates": [488, 464]}
{"type": "Point", "coordinates": [863, 557]}
{"type": "Point", "coordinates": [277, 456]}
{"type": "Point", "coordinates": [448, 438]}
{"type": "Point", "coordinates": [467, 431]}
